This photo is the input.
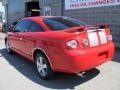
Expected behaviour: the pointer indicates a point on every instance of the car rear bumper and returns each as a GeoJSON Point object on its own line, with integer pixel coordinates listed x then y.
{"type": "Point", "coordinates": [82, 60]}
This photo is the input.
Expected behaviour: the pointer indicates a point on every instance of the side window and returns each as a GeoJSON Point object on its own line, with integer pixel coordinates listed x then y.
{"type": "Point", "coordinates": [36, 28]}
{"type": "Point", "coordinates": [22, 26]}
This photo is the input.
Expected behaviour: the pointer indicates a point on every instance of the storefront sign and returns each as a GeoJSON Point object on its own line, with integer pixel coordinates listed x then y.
{"type": "Point", "coordinates": [76, 4]}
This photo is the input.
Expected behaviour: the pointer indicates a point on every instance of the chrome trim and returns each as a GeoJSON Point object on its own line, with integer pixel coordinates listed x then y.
{"type": "Point", "coordinates": [44, 53]}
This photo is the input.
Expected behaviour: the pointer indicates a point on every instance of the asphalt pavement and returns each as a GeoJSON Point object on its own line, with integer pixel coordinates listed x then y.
{"type": "Point", "coordinates": [16, 73]}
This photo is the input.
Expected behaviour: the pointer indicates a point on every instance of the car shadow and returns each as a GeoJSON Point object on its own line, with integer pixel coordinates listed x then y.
{"type": "Point", "coordinates": [117, 55]}
{"type": "Point", "coordinates": [61, 81]}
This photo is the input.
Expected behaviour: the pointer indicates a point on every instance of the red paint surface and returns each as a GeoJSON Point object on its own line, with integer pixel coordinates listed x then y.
{"type": "Point", "coordinates": [61, 57]}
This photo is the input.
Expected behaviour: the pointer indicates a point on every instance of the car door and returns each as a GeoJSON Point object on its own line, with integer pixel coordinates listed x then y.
{"type": "Point", "coordinates": [31, 37]}
{"type": "Point", "coordinates": [11, 36]}
{"type": "Point", "coordinates": [19, 33]}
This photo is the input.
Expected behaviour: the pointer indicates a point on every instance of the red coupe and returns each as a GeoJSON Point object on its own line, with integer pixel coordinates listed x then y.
{"type": "Point", "coordinates": [60, 44]}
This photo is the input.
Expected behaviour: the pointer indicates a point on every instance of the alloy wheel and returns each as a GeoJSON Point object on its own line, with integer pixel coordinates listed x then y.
{"type": "Point", "coordinates": [41, 66]}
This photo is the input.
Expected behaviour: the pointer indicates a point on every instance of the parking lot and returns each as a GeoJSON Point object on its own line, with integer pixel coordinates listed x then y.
{"type": "Point", "coordinates": [16, 73]}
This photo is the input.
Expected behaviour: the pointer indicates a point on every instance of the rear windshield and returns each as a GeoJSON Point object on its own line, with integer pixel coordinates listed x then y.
{"type": "Point", "coordinates": [61, 23]}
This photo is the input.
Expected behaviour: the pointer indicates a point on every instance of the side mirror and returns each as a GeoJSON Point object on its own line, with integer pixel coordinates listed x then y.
{"type": "Point", "coordinates": [15, 30]}
{"type": "Point", "coordinates": [11, 27]}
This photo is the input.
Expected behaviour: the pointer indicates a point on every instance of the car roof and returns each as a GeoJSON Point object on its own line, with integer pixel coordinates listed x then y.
{"type": "Point", "coordinates": [40, 17]}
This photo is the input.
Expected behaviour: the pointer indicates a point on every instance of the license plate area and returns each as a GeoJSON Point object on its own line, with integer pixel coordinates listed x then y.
{"type": "Point", "coordinates": [103, 55]}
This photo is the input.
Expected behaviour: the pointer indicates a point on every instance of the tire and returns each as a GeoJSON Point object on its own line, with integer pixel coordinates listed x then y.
{"type": "Point", "coordinates": [8, 47]}
{"type": "Point", "coordinates": [43, 67]}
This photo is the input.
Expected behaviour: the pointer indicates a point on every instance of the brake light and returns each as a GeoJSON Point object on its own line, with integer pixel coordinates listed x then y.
{"type": "Point", "coordinates": [72, 44]}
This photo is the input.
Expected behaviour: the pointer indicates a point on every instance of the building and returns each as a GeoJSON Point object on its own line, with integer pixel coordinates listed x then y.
{"type": "Point", "coordinates": [1, 17]}
{"type": "Point", "coordinates": [90, 11]}
{"type": "Point", "coordinates": [1, 12]}
{"type": "Point", "coordinates": [16, 10]}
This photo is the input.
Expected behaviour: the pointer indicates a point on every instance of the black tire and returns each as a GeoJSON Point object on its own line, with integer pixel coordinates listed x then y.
{"type": "Point", "coordinates": [47, 73]}
{"type": "Point", "coordinates": [8, 47]}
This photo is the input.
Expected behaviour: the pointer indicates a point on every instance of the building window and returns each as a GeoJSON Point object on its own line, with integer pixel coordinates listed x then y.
{"type": "Point", "coordinates": [47, 11]}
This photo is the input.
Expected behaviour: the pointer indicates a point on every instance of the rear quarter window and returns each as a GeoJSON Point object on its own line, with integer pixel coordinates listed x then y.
{"type": "Point", "coordinates": [61, 23]}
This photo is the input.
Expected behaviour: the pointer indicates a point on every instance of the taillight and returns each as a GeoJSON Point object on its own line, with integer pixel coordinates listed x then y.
{"type": "Point", "coordinates": [72, 44]}
{"type": "Point", "coordinates": [109, 37]}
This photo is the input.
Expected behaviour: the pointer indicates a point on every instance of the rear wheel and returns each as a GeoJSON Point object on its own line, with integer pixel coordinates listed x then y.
{"type": "Point", "coordinates": [43, 67]}
{"type": "Point", "coordinates": [8, 47]}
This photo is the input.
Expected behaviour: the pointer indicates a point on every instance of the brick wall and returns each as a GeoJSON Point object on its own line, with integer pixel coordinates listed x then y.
{"type": "Point", "coordinates": [108, 15]}
{"type": "Point", "coordinates": [54, 4]}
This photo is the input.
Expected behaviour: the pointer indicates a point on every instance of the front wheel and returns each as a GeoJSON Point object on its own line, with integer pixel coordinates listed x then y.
{"type": "Point", "coordinates": [8, 47]}
{"type": "Point", "coordinates": [43, 67]}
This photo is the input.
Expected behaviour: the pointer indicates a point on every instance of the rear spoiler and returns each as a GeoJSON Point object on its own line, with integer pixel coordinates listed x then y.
{"type": "Point", "coordinates": [88, 27]}
{"type": "Point", "coordinates": [98, 26]}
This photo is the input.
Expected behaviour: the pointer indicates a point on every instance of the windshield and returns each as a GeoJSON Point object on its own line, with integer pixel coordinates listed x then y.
{"type": "Point", "coordinates": [61, 23]}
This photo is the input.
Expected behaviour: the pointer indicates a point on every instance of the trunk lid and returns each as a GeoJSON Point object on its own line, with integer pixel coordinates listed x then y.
{"type": "Point", "coordinates": [92, 35]}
